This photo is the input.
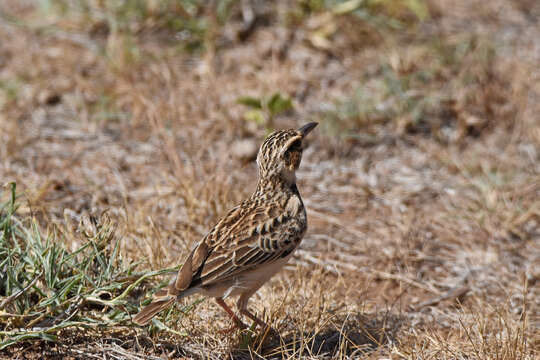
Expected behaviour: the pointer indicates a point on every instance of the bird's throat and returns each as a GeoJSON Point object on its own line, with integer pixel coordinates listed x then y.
{"type": "Point", "coordinates": [275, 184]}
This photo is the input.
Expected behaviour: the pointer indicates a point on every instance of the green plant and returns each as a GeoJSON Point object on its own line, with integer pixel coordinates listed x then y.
{"type": "Point", "coordinates": [46, 288]}
{"type": "Point", "coordinates": [262, 111]}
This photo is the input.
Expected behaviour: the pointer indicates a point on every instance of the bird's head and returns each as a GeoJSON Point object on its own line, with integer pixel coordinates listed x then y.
{"type": "Point", "coordinates": [281, 153]}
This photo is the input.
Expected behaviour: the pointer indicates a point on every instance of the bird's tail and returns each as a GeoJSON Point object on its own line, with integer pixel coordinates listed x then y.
{"type": "Point", "coordinates": [162, 301]}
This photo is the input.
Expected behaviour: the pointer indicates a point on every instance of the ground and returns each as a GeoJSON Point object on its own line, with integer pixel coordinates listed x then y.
{"type": "Point", "coordinates": [128, 128]}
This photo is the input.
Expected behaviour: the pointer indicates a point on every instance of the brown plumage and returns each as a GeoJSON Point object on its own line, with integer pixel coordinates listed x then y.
{"type": "Point", "coordinates": [253, 241]}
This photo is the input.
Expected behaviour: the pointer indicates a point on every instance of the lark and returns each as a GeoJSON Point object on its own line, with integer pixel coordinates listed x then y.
{"type": "Point", "coordinates": [252, 242]}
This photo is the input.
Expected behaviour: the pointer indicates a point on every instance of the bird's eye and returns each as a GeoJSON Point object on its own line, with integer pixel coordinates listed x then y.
{"type": "Point", "coordinates": [295, 146]}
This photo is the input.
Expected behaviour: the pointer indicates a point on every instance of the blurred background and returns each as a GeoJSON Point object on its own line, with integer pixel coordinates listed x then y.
{"type": "Point", "coordinates": [422, 181]}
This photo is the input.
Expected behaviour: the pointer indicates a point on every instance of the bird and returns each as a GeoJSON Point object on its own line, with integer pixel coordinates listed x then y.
{"type": "Point", "coordinates": [252, 242]}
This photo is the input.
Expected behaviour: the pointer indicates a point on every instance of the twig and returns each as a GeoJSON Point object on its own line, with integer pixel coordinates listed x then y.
{"type": "Point", "coordinates": [335, 221]}
{"type": "Point", "coordinates": [340, 244]}
{"type": "Point", "coordinates": [127, 355]}
{"type": "Point", "coordinates": [454, 293]}
{"type": "Point", "coordinates": [404, 279]}
{"type": "Point", "coordinates": [14, 297]}
{"type": "Point", "coordinates": [84, 353]}
{"type": "Point", "coordinates": [318, 261]}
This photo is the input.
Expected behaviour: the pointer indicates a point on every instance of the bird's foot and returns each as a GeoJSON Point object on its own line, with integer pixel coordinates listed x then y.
{"type": "Point", "coordinates": [238, 325]}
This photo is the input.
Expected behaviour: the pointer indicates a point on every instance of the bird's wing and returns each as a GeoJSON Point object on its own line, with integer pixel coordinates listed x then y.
{"type": "Point", "coordinates": [246, 238]}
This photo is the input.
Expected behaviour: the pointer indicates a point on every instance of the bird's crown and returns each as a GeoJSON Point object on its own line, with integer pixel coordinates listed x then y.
{"type": "Point", "coordinates": [281, 152]}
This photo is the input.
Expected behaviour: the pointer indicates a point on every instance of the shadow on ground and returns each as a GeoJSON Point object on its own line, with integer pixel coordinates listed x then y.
{"type": "Point", "coordinates": [344, 335]}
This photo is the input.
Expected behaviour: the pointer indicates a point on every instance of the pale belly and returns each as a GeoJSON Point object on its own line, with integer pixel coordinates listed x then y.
{"type": "Point", "coordinates": [249, 281]}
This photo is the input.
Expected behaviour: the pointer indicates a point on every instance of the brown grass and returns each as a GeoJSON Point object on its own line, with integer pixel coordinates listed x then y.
{"type": "Point", "coordinates": [422, 183]}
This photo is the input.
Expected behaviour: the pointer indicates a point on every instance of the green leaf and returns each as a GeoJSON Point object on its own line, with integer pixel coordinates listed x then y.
{"type": "Point", "coordinates": [256, 116]}
{"type": "Point", "coordinates": [251, 102]}
{"type": "Point", "coordinates": [347, 7]}
{"type": "Point", "coordinates": [278, 104]}
{"type": "Point", "coordinates": [26, 336]}
{"type": "Point", "coordinates": [161, 326]}
{"type": "Point", "coordinates": [419, 8]}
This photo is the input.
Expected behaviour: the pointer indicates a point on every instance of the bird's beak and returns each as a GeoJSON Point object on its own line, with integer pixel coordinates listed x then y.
{"type": "Point", "coordinates": [306, 129]}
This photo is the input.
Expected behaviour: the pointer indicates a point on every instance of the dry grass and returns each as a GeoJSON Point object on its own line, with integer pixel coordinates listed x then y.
{"type": "Point", "coordinates": [422, 183]}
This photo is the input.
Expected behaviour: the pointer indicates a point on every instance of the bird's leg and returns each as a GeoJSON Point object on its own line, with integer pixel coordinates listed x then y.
{"type": "Point", "coordinates": [253, 317]}
{"type": "Point", "coordinates": [259, 322]}
{"type": "Point", "coordinates": [237, 322]}
{"type": "Point", "coordinates": [242, 307]}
